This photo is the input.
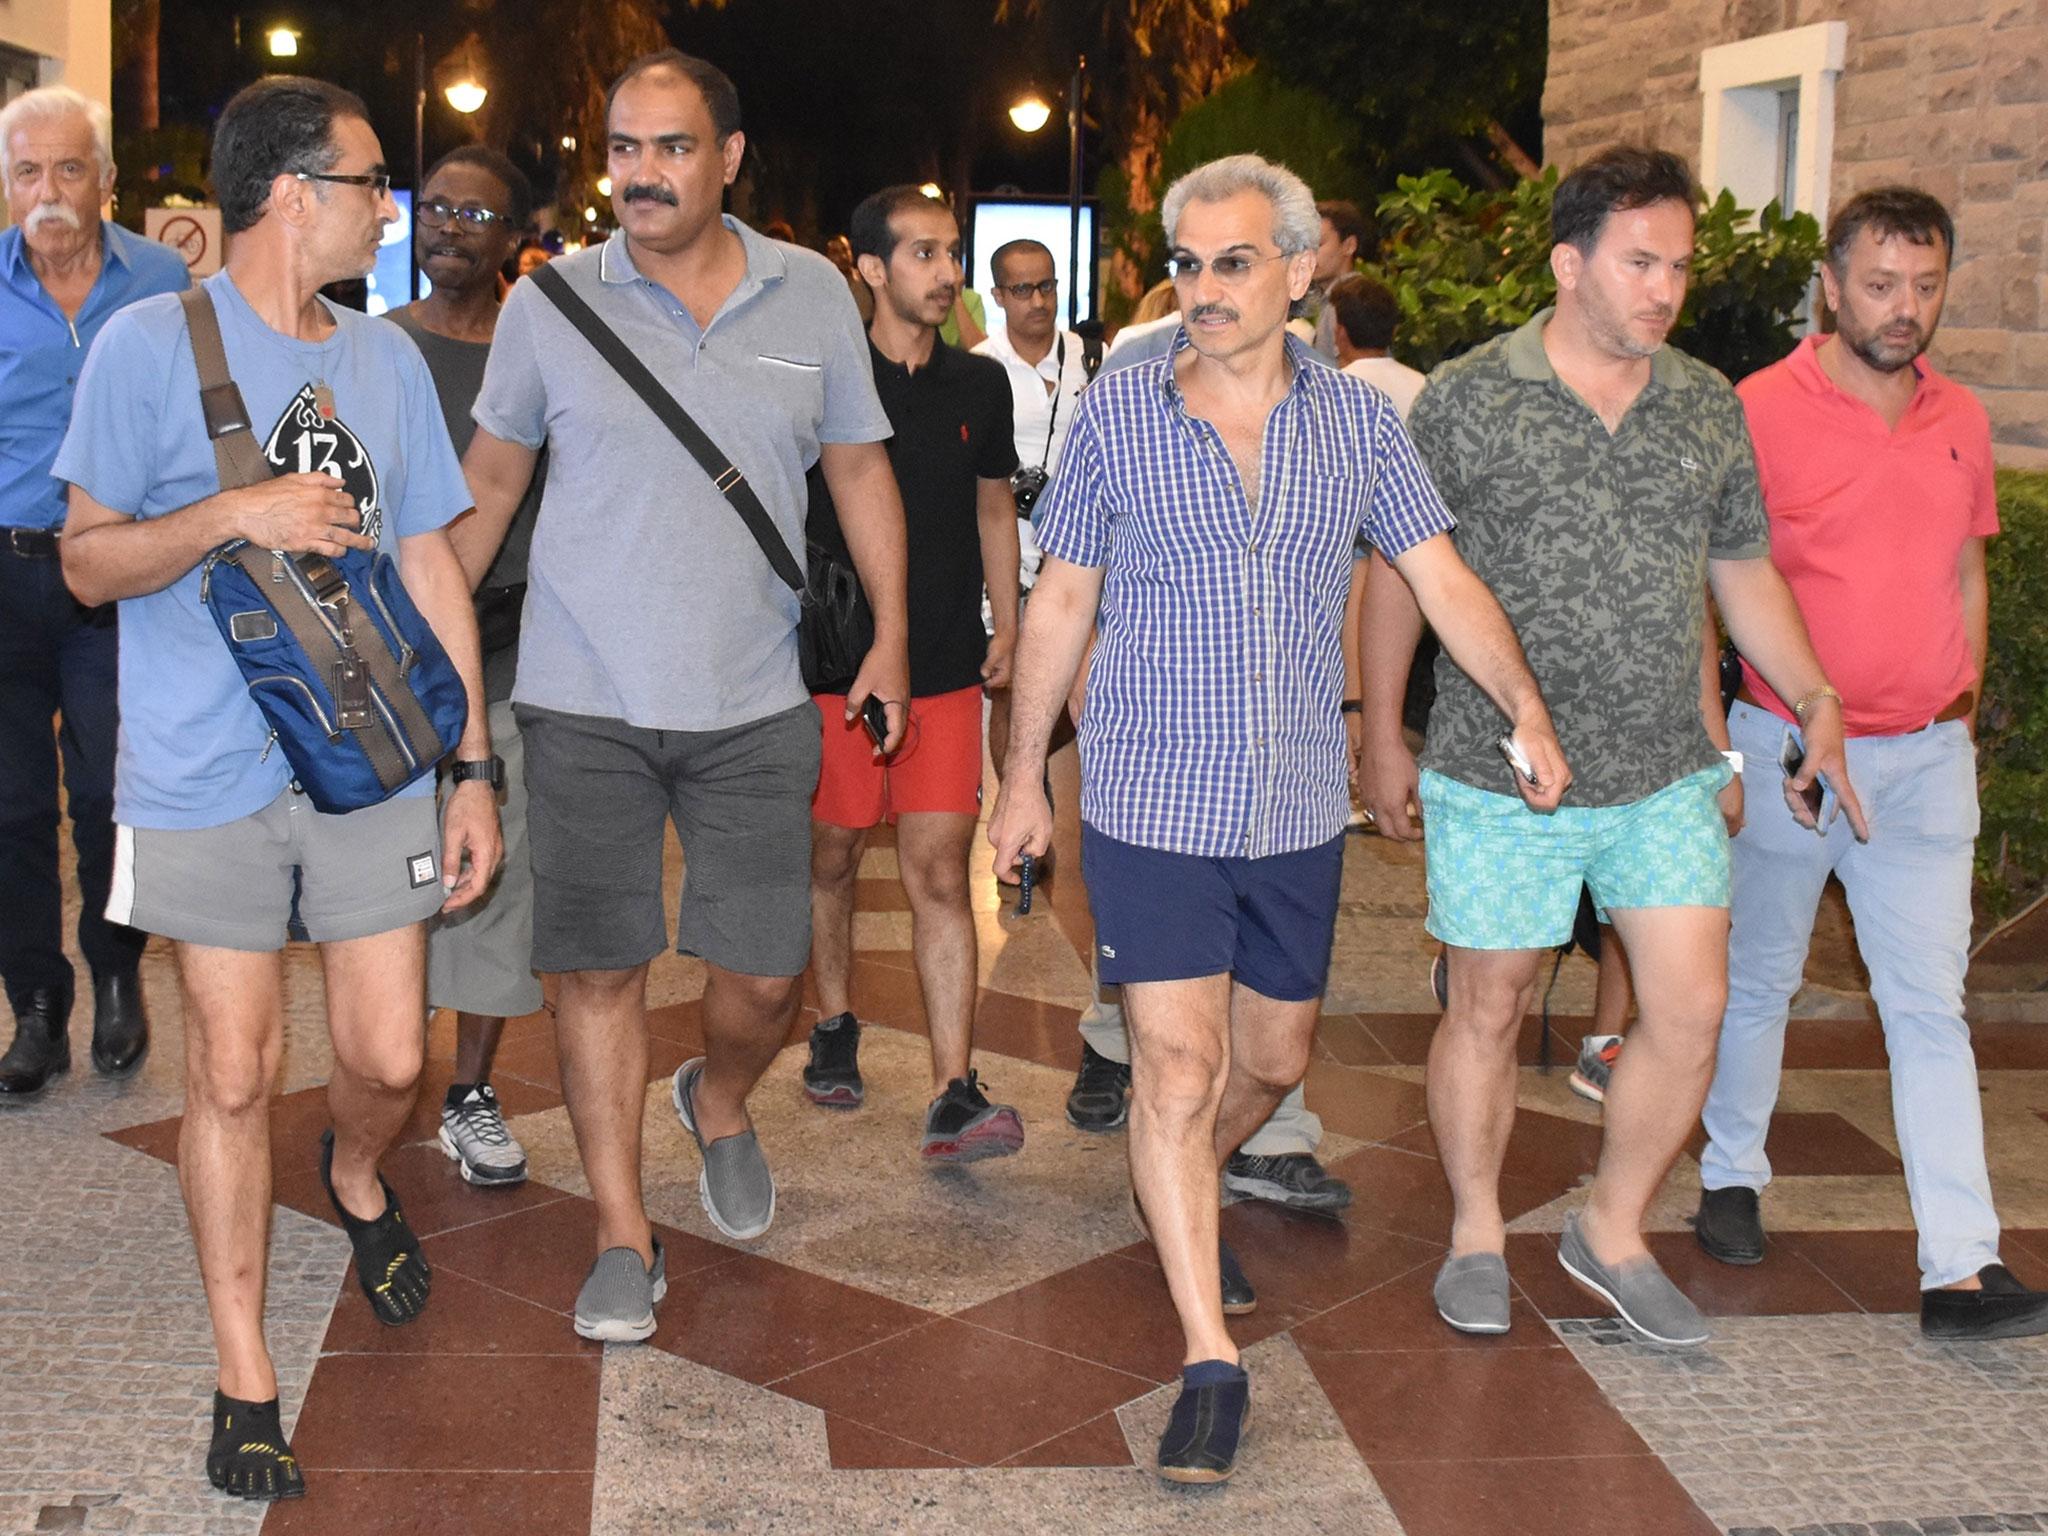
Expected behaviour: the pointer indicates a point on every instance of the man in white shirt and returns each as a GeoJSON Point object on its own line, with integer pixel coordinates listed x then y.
{"type": "Point", "coordinates": [1048, 368]}
{"type": "Point", "coordinates": [1365, 314]}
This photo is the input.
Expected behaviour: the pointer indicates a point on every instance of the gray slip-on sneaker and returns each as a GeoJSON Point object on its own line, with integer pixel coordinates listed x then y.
{"type": "Point", "coordinates": [616, 1304]}
{"type": "Point", "coordinates": [1641, 1292]}
{"type": "Point", "coordinates": [736, 1188]}
{"type": "Point", "coordinates": [1472, 1292]}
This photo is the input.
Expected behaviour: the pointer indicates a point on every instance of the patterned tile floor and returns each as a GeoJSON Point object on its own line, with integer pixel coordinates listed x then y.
{"type": "Point", "coordinates": [929, 1352]}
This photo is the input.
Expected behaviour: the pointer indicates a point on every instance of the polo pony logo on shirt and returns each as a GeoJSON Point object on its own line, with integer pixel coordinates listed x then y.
{"type": "Point", "coordinates": [307, 441]}
{"type": "Point", "coordinates": [963, 433]}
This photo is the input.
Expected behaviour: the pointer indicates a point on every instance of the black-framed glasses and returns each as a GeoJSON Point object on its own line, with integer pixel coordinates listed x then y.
{"type": "Point", "coordinates": [1050, 287]}
{"type": "Point", "coordinates": [437, 211]}
{"type": "Point", "coordinates": [379, 183]}
{"type": "Point", "coordinates": [1227, 269]}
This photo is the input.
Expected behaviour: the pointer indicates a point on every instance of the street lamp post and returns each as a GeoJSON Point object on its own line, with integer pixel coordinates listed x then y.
{"type": "Point", "coordinates": [1031, 113]}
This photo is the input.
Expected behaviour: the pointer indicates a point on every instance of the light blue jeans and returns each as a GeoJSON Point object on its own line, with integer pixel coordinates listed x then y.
{"type": "Point", "coordinates": [1909, 893]}
{"type": "Point", "coordinates": [1292, 1127]}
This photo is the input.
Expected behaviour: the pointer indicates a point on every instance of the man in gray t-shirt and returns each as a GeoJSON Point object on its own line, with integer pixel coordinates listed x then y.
{"type": "Point", "coordinates": [657, 663]}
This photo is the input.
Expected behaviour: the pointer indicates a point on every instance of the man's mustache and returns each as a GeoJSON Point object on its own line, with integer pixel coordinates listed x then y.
{"type": "Point", "coordinates": [1204, 311]}
{"type": "Point", "coordinates": [51, 213]}
{"type": "Point", "coordinates": [650, 192]}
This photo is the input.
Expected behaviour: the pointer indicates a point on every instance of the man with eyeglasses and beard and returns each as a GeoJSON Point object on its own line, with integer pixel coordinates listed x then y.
{"type": "Point", "coordinates": [1207, 514]}
{"type": "Point", "coordinates": [658, 673]}
{"type": "Point", "coordinates": [64, 270]}
{"type": "Point", "coordinates": [473, 208]}
{"type": "Point", "coordinates": [1877, 473]}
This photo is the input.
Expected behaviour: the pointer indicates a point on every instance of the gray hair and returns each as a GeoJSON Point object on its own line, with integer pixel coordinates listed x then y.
{"type": "Point", "coordinates": [1297, 227]}
{"type": "Point", "coordinates": [44, 103]}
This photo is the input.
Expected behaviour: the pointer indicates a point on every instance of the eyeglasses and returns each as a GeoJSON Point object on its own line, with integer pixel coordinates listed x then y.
{"type": "Point", "coordinates": [1227, 269]}
{"type": "Point", "coordinates": [438, 211]}
{"type": "Point", "coordinates": [379, 184]}
{"type": "Point", "coordinates": [1022, 291]}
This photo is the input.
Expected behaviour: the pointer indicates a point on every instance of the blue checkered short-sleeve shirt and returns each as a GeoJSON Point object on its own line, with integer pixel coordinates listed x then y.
{"type": "Point", "coordinates": [1211, 725]}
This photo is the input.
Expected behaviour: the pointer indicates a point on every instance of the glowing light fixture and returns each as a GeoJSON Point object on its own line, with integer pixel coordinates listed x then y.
{"type": "Point", "coordinates": [590, 215]}
{"type": "Point", "coordinates": [283, 43]}
{"type": "Point", "coordinates": [568, 141]}
{"type": "Point", "coordinates": [932, 190]}
{"type": "Point", "coordinates": [604, 186]}
{"type": "Point", "coordinates": [1031, 113]}
{"type": "Point", "coordinates": [465, 96]}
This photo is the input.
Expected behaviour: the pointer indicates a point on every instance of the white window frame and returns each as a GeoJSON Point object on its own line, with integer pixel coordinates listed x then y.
{"type": "Point", "coordinates": [1744, 85]}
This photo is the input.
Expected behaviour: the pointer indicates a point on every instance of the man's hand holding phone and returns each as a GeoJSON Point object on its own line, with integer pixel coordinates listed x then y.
{"type": "Point", "coordinates": [1817, 768]}
{"type": "Point", "coordinates": [1537, 762]}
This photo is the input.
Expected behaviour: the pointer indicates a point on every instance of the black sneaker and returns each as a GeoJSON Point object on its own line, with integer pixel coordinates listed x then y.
{"type": "Point", "coordinates": [963, 1127]}
{"type": "Point", "coordinates": [1729, 1225]}
{"type": "Point", "coordinates": [1100, 1099]}
{"type": "Point", "coordinates": [1207, 1425]}
{"type": "Point", "coordinates": [1292, 1179]}
{"type": "Point", "coordinates": [2004, 1309]}
{"type": "Point", "coordinates": [833, 1076]}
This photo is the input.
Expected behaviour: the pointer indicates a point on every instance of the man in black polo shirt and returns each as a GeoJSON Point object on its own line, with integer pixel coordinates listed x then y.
{"type": "Point", "coordinates": [953, 455]}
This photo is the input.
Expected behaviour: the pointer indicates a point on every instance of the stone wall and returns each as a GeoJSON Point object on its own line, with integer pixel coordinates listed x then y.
{"type": "Point", "coordinates": [1949, 95]}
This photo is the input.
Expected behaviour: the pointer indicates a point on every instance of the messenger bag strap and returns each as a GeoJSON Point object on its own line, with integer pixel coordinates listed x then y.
{"type": "Point", "coordinates": [725, 475]}
{"type": "Point", "coordinates": [235, 451]}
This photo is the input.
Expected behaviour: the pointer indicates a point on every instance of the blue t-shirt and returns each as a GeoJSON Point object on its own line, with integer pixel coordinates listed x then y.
{"type": "Point", "coordinates": [193, 743]}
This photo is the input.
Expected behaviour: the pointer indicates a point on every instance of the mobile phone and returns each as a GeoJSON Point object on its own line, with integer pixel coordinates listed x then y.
{"type": "Point", "coordinates": [1517, 758]}
{"type": "Point", "coordinates": [875, 716]}
{"type": "Point", "coordinates": [1817, 796]}
{"type": "Point", "coordinates": [1027, 867]}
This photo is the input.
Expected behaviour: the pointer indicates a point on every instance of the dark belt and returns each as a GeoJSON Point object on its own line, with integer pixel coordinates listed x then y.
{"type": "Point", "coordinates": [30, 543]}
{"type": "Point", "coordinates": [1957, 708]}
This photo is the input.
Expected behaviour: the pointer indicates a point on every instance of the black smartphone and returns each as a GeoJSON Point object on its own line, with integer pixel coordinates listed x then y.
{"type": "Point", "coordinates": [1791, 758]}
{"type": "Point", "coordinates": [875, 716]}
{"type": "Point", "coordinates": [1027, 870]}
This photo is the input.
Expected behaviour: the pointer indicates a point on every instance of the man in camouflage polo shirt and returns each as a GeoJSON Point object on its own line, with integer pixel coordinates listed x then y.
{"type": "Point", "coordinates": [1601, 481]}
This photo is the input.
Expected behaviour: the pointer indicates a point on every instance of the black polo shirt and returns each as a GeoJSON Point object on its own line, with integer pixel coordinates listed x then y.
{"type": "Point", "coordinates": [952, 421]}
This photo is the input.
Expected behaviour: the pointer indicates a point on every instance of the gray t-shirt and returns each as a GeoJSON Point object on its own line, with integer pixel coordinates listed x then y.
{"type": "Point", "coordinates": [1597, 547]}
{"type": "Point", "coordinates": [648, 600]}
{"type": "Point", "coordinates": [458, 370]}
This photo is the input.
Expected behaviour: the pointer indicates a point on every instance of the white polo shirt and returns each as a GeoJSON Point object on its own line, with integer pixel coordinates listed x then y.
{"type": "Point", "coordinates": [1042, 413]}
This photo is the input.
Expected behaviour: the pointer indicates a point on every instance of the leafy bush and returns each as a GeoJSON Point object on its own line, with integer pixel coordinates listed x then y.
{"type": "Point", "coordinates": [2012, 726]}
{"type": "Point", "coordinates": [1468, 264]}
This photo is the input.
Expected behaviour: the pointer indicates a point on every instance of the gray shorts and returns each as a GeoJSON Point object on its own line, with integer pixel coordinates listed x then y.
{"type": "Point", "coordinates": [599, 792]}
{"type": "Point", "coordinates": [285, 872]}
{"type": "Point", "coordinates": [480, 958]}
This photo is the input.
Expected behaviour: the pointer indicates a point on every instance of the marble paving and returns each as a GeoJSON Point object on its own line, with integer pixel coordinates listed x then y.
{"type": "Point", "coordinates": [919, 1351]}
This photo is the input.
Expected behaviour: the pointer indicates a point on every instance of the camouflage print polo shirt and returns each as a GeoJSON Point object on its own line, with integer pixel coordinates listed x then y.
{"type": "Point", "coordinates": [1597, 547]}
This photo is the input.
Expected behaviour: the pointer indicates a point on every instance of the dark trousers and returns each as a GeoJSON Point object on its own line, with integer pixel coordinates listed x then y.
{"type": "Point", "coordinates": [57, 661]}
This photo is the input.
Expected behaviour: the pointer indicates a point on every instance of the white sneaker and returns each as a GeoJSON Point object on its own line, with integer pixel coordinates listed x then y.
{"type": "Point", "coordinates": [474, 1134]}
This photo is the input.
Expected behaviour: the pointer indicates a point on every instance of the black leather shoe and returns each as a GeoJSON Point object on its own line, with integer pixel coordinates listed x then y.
{"type": "Point", "coordinates": [1729, 1226]}
{"type": "Point", "coordinates": [2004, 1309]}
{"type": "Point", "coordinates": [120, 1027]}
{"type": "Point", "coordinates": [41, 1048]}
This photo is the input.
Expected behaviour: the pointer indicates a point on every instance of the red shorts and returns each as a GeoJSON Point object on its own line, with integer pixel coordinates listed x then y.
{"type": "Point", "coordinates": [938, 767]}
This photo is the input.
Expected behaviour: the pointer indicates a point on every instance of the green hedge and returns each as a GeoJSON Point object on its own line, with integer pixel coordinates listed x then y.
{"type": "Point", "coordinates": [2012, 728]}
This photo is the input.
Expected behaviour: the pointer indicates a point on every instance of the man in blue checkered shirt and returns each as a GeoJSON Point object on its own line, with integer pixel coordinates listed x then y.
{"type": "Point", "coordinates": [1203, 523]}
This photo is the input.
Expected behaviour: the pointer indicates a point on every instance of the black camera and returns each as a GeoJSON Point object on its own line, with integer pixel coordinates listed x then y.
{"type": "Point", "coordinates": [1027, 485]}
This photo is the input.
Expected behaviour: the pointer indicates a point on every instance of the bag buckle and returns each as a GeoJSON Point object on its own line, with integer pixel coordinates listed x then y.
{"type": "Point", "coordinates": [325, 578]}
{"type": "Point", "coordinates": [351, 693]}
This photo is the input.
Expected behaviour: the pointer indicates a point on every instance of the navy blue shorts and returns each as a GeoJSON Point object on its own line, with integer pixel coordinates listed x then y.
{"type": "Point", "coordinates": [1175, 916]}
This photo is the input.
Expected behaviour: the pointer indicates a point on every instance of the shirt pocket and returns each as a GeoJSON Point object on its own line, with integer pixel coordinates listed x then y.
{"type": "Point", "coordinates": [795, 384]}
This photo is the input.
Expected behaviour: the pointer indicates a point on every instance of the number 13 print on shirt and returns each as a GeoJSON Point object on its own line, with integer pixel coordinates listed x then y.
{"type": "Point", "coordinates": [307, 441]}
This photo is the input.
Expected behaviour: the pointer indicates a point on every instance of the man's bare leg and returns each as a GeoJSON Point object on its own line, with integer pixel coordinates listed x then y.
{"type": "Point", "coordinates": [1471, 1086]}
{"type": "Point", "coordinates": [1679, 960]}
{"type": "Point", "coordinates": [931, 851]}
{"type": "Point", "coordinates": [746, 1021]}
{"type": "Point", "coordinates": [835, 863]}
{"type": "Point", "coordinates": [234, 1038]}
{"type": "Point", "coordinates": [1180, 1060]}
{"type": "Point", "coordinates": [1269, 1050]}
{"type": "Point", "coordinates": [377, 1015]}
{"type": "Point", "coordinates": [601, 1035]}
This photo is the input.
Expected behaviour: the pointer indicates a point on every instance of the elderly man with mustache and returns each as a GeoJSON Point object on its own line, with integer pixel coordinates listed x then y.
{"type": "Point", "coordinates": [63, 270]}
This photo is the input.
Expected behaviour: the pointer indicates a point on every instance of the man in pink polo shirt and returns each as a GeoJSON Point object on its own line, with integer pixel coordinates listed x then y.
{"type": "Point", "coordinates": [1877, 475]}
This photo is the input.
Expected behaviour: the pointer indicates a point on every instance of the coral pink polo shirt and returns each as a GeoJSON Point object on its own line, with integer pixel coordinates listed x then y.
{"type": "Point", "coordinates": [1867, 525]}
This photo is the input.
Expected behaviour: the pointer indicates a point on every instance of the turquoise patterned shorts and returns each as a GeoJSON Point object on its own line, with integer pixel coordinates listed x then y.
{"type": "Point", "coordinates": [1503, 877]}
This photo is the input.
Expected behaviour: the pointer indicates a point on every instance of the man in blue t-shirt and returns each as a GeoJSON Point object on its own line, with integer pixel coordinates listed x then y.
{"type": "Point", "coordinates": [64, 270]}
{"type": "Point", "coordinates": [217, 849]}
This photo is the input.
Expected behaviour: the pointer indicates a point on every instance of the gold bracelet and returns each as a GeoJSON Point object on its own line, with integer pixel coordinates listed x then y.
{"type": "Point", "coordinates": [1813, 698]}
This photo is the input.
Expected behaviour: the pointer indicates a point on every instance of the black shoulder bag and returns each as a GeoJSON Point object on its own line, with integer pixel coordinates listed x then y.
{"type": "Point", "coordinates": [837, 628]}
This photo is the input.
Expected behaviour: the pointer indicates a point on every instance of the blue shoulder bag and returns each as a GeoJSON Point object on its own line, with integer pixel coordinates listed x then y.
{"type": "Point", "coordinates": [359, 695]}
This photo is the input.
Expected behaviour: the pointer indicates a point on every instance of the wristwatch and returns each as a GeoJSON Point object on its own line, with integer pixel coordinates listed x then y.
{"type": "Point", "coordinates": [490, 769]}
